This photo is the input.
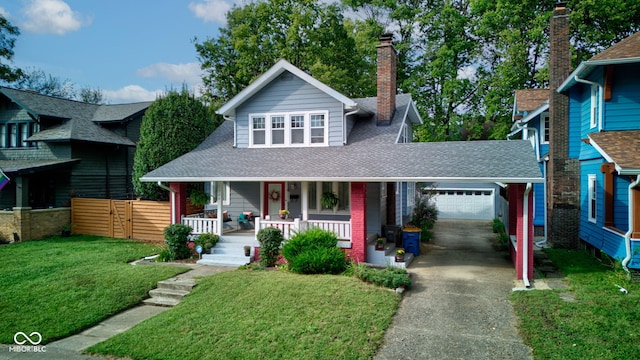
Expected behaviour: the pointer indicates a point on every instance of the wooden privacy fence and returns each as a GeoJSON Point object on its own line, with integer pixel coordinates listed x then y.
{"type": "Point", "coordinates": [128, 219]}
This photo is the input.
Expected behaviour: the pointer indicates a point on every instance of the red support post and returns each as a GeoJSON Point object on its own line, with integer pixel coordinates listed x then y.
{"type": "Point", "coordinates": [359, 222]}
{"type": "Point", "coordinates": [178, 199]}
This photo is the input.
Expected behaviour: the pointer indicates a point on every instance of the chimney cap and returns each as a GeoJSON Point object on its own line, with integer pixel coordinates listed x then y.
{"type": "Point", "coordinates": [560, 5]}
{"type": "Point", "coordinates": [386, 37]}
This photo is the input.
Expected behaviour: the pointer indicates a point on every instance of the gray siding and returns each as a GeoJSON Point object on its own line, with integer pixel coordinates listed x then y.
{"type": "Point", "coordinates": [244, 196]}
{"type": "Point", "coordinates": [374, 204]}
{"type": "Point", "coordinates": [102, 172]}
{"type": "Point", "coordinates": [289, 93]}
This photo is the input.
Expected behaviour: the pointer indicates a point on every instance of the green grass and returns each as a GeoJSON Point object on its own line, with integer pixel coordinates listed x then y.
{"type": "Point", "coordinates": [60, 286]}
{"type": "Point", "coordinates": [265, 315]}
{"type": "Point", "coordinates": [601, 324]}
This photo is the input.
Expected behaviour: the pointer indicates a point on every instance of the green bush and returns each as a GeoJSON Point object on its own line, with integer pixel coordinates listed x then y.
{"type": "Point", "coordinates": [270, 239]}
{"type": "Point", "coordinates": [206, 240]}
{"type": "Point", "coordinates": [319, 261]}
{"type": "Point", "coordinates": [425, 215]}
{"type": "Point", "coordinates": [314, 251]}
{"type": "Point", "coordinates": [390, 277]}
{"type": "Point", "coordinates": [175, 236]}
{"type": "Point", "coordinates": [497, 226]}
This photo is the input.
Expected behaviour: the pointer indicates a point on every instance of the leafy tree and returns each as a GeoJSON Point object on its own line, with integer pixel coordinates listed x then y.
{"type": "Point", "coordinates": [173, 125]}
{"type": "Point", "coordinates": [309, 34]}
{"type": "Point", "coordinates": [46, 84]}
{"type": "Point", "coordinates": [8, 35]}
{"type": "Point", "coordinates": [89, 95]}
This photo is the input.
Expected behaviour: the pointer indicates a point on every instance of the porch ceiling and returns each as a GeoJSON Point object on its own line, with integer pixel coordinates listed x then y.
{"type": "Point", "coordinates": [364, 160]}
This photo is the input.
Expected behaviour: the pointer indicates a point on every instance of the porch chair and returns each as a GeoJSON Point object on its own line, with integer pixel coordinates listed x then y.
{"type": "Point", "coordinates": [243, 222]}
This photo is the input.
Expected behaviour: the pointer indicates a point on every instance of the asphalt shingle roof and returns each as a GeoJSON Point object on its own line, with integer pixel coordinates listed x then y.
{"type": "Point", "coordinates": [216, 159]}
{"type": "Point", "coordinates": [621, 146]}
{"type": "Point", "coordinates": [17, 166]}
{"type": "Point", "coordinates": [531, 99]}
{"type": "Point", "coordinates": [84, 117]}
{"type": "Point", "coordinates": [628, 48]}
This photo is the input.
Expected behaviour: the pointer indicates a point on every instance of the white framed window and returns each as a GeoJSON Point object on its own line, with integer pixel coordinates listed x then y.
{"type": "Point", "coordinates": [595, 94]}
{"type": "Point", "coordinates": [411, 194]}
{"type": "Point", "coordinates": [212, 189]}
{"type": "Point", "coordinates": [592, 198]}
{"type": "Point", "coordinates": [544, 122]}
{"type": "Point", "coordinates": [341, 189]}
{"type": "Point", "coordinates": [289, 129]}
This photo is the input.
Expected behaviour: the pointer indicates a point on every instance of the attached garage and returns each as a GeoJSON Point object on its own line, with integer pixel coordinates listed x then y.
{"type": "Point", "coordinates": [465, 204]}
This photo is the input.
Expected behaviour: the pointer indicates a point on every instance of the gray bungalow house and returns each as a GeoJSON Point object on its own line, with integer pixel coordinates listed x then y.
{"type": "Point", "coordinates": [289, 140]}
{"type": "Point", "coordinates": [53, 149]}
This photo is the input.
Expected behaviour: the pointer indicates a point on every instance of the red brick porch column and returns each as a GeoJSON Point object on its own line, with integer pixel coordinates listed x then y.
{"type": "Point", "coordinates": [178, 199]}
{"type": "Point", "coordinates": [359, 222]}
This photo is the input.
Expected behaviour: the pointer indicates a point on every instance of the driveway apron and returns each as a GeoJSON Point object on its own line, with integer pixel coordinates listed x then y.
{"type": "Point", "coordinates": [458, 307]}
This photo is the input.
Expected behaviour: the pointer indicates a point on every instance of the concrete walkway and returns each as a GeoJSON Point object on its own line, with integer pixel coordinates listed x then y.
{"type": "Point", "coordinates": [458, 307]}
{"type": "Point", "coordinates": [70, 348]}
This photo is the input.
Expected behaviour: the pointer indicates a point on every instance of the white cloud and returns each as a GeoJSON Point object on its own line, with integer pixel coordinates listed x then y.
{"type": "Point", "coordinates": [188, 73]}
{"type": "Point", "coordinates": [52, 17]}
{"type": "Point", "coordinates": [211, 10]}
{"type": "Point", "coordinates": [467, 72]}
{"type": "Point", "coordinates": [131, 93]}
{"type": "Point", "coordinates": [4, 12]}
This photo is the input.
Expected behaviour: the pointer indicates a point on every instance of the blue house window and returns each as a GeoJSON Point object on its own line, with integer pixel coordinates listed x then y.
{"type": "Point", "coordinates": [595, 94]}
{"type": "Point", "coordinates": [544, 120]}
{"type": "Point", "coordinates": [592, 198]}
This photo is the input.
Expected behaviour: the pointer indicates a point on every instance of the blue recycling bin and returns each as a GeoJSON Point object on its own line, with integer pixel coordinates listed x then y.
{"type": "Point", "coordinates": [411, 242]}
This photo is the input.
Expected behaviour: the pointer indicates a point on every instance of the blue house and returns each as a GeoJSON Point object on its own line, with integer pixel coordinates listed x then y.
{"type": "Point", "coordinates": [604, 135]}
{"type": "Point", "coordinates": [531, 122]}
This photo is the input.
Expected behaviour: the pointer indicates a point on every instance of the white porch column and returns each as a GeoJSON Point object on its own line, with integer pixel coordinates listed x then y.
{"type": "Point", "coordinates": [304, 204]}
{"type": "Point", "coordinates": [219, 198]}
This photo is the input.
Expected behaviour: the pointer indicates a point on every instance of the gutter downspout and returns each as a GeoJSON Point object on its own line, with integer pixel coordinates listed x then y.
{"type": "Point", "coordinates": [173, 199]}
{"type": "Point", "coordinates": [525, 236]}
{"type": "Point", "coordinates": [344, 126]}
{"type": "Point", "coordinates": [627, 235]}
{"type": "Point", "coordinates": [599, 100]}
{"type": "Point", "coordinates": [544, 175]}
{"type": "Point", "coordinates": [231, 118]}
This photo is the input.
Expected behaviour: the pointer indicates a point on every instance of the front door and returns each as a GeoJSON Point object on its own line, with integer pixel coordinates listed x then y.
{"type": "Point", "coordinates": [273, 198]}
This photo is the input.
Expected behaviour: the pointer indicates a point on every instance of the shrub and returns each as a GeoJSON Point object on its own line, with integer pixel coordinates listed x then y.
{"type": "Point", "coordinates": [424, 215]}
{"type": "Point", "coordinates": [390, 277]}
{"type": "Point", "coordinates": [497, 226]}
{"type": "Point", "coordinates": [319, 261]}
{"type": "Point", "coordinates": [206, 240]}
{"type": "Point", "coordinates": [175, 236]}
{"type": "Point", "coordinates": [270, 239]}
{"type": "Point", "coordinates": [314, 251]}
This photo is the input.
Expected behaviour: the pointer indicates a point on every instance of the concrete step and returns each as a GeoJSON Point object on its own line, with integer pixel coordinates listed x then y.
{"type": "Point", "coordinates": [235, 251]}
{"type": "Point", "coordinates": [391, 261]}
{"type": "Point", "coordinates": [161, 301]}
{"type": "Point", "coordinates": [225, 260]}
{"type": "Point", "coordinates": [175, 284]}
{"type": "Point", "coordinates": [168, 293]}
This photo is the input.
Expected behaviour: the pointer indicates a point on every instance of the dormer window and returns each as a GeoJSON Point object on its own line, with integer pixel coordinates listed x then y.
{"type": "Point", "coordinates": [289, 129]}
{"type": "Point", "coordinates": [15, 134]}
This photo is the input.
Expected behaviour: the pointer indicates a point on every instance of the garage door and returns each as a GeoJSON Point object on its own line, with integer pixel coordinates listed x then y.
{"type": "Point", "coordinates": [467, 204]}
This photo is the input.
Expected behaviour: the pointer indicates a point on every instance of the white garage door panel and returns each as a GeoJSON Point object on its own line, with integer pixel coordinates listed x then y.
{"type": "Point", "coordinates": [465, 204]}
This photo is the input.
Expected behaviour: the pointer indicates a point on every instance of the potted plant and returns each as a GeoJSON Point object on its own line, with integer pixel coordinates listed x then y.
{"type": "Point", "coordinates": [199, 198]}
{"type": "Point", "coordinates": [400, 255]}
{"type": "Point", "coordinates": [329, 200]}
{"type": "Point", "coordinates": [284, 213]}
{"type": "Point", "coordinates": [207, 241]}
{"type": "Point", "coordinates": [380, 243]}
{"type": "Point", "coordinates": [247, 250]}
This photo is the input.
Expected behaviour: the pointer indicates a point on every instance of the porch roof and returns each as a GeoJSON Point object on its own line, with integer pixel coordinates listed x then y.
{"type": "Point", "coordinates": [29, 166]}
{"type": "Point", "coordinates": [363, 160]}
{"type": "Point", "coordinates": [619, 147]}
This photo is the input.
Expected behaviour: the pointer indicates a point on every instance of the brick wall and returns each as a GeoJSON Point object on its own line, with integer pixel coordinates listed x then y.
{"type": "Point", "coordinates": [33, 224]}
{"type": "Point", "coordinates": [386, 79]}
{"type": "Point", "coordinates": [358, 251]}
{"type": "Point", "coordinates": [563, 185]}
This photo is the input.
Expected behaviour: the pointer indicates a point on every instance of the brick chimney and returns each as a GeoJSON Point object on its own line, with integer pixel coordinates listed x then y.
{"type": "Point", "coordinates": [563, 173]}
{"type": "Point", "coordinates": [386, 80]}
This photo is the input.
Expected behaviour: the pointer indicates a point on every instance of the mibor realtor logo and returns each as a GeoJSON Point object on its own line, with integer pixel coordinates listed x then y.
{"type": "Point", "coordinates": [27, 343]}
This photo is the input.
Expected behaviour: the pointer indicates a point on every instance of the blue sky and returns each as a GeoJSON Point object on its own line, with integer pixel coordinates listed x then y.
{"type": "Point", "coordinates": [129, 49]}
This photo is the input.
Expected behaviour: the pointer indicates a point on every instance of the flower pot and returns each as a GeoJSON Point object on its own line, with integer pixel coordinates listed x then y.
{"type": "Point", "coordinates": [247, 251]}
{"type": "Point", "coordinates": [282, 216]}
{"type": "Point", "coordinates": [399, 258]}
{"type": "Point", "coordinates": [379, 246]}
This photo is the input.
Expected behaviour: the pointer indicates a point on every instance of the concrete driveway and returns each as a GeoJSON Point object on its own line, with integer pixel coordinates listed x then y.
{"type": "Point", "coordinates": [458, 307]}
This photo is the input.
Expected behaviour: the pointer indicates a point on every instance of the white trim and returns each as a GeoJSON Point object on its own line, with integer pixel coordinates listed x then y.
{"type": "Point", "coordinates": [592, 198]}
{"type": "Point", "coordinates": [225, 196]}
{"type": "Point", "coordinates": [271, 74]}
{"type": "Point", "coordinates": [268, 130]}
{"type": "Point", "coordinates": [506, 180]}
{"type": "Point", "coordinates": [593, 107]}
{"type": "Point", "coordinates": [586, 67]}
{"type": "Point", "coordinates": [545, 129]}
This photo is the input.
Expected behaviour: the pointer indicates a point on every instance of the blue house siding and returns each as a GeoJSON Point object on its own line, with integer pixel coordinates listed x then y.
{"type": "Point", "coordinates": [575, 121]}
{"type": "Point", "coordinates": [591, 232]}
{"type": "Point", "coordinates": [621, 203]}
{"type": "Point", "coordinates": [539, 205]}
{"type": "Point", "coordinates": [286, 94]}
{"type": "Point", "coordinates": [623, 110]}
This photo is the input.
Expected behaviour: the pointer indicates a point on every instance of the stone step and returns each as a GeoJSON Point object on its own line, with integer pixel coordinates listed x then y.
{"type": "Point", "coordinates": [175, 284]}
{"type": "Point", "coordinates": [168, 293]}
{"type": "Point", "coordinates": [161, 301]}
{"type": "Point", "coordinates": [225, 260]}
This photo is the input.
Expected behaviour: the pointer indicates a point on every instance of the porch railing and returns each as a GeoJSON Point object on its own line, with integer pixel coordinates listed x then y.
{"type": "Point", "coordinates": [289, 227]}
{"type": "Point", "coordinates": [201, 225]}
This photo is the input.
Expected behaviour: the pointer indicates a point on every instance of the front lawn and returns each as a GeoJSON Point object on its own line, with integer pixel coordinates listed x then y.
{"type": "Point", "coordinates": [601, 324]}
{"type": "Point", "coordinates": [60, 286]}
{"type": "Point", "coordinates": [265, 315]}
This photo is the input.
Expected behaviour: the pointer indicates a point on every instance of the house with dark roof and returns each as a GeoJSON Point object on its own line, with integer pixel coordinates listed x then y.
{"type": "Point", "coordinates": [531, 122]}
{"type": "Point", "coordinates": [290, 142]}
{"type": "Point", "coordinates": [604, 118]}
{"type": "Point", "coordinates": [53, 149]}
